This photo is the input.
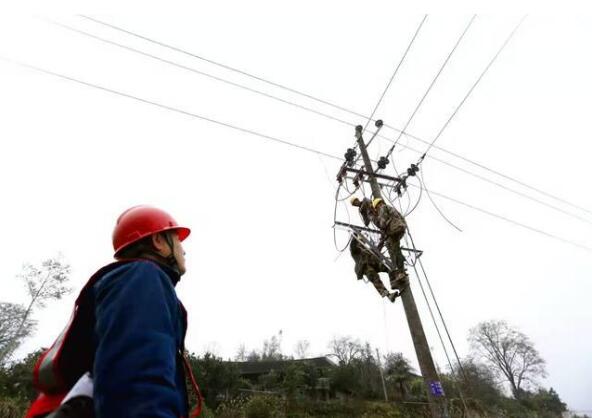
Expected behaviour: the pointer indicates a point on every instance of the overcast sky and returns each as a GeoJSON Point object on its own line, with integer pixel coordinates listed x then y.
{"type": "Point", "coordinates": [261, 257]}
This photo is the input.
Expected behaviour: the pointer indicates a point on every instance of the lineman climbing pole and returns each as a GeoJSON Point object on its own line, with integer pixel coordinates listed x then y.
{"type": "Point", "coordinates": [436, 397]}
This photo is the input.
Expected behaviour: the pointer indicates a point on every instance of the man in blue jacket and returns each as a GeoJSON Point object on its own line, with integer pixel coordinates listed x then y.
{"type": "Point", "coordinates": [125, 341]}
{"type": "Point", "coordinates": [140, 324]}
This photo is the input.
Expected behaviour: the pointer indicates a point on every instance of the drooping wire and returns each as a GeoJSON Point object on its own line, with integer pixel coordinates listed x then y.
{"type": "Point", "coordinates": [510, 36]}
{"type": "Point", "coordinates": [511, 221]}
{"type": "Point", "coordinates": [350, 111]}
{"type": "Point", "coordinates": [421, 188]}
{"type": "Point", "coordinates": [335, 220]}
{"type": "Point", "coordinates": [462, 35]}
{"type": "Point", "coordinates": [371, 117]}
{"type": "Point", "coordinates": [278, 140]}
{"type": "Point", "coordinates": [422, 182]}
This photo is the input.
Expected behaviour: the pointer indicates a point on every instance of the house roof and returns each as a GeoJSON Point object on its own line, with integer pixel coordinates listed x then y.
{"type": "Point", "coordinates": [266, 366]}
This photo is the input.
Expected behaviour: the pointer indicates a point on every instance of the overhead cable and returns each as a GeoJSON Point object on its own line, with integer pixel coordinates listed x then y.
{"type": "Point", "coordinates": [173, 109]}
{"type": "Point", "coordinates": [371, 117]}
{"type": "Point", "coordinates": [334, 105]}
{"type": "Point", "coordinates": [274, 139]}
{"type": "Point", "coordinates": [462, 35]}
{"type": "Point", "coordinates": [473, 87]}
{"type": "Point", "coordinates": [509, 220]}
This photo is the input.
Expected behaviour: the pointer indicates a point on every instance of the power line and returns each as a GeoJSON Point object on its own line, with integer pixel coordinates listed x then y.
{"type": "Point", "coordinates": [275, 139]}
{"type": "Point", "coordinates": [502, 186]}
{"type": "Point", "coordinates": [173, 109]}
{"type": "Point", "coordinates": [370, 118]}
{"type": "Point", "coordinates": [504, 218]}
{"type": "Point", "coordinates": [438, 330]}
{"type": "Point", "coordinates": [336, 106]}
{"type": "Point", "coordinates": [422, 183]}
{"type": "Point", "coordinates": [473, 87]}
{"type": "Point", "coordinates": [196, 71]}
{"type": "Point", "coordinates": [462, 35]}
{"type": "Point", "coordinates": [437, 307]}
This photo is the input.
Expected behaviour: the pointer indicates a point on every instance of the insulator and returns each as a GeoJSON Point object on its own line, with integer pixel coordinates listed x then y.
{"type": "Point", "coordinates": [412, 171]}
{"type": "Point", "coordinates": [378, 123]}
{"type": "Point", "coordinates": [350, 155]}
{"type": "Point", "coordinates": [382, 162]}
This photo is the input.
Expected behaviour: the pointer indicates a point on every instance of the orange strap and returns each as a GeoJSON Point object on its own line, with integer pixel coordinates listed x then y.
{"type": "Point", "coordinates": [197, 411]}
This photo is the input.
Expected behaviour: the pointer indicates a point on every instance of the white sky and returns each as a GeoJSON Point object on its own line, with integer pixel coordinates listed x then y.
{"type": "Point", "coordinates": [261, 257]}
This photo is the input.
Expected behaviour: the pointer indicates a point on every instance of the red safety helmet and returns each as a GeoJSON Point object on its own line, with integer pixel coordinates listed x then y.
{"type": "Point", "coordinates": [141, 221]}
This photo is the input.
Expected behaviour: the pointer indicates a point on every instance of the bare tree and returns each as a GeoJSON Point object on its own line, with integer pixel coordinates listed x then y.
{"type": "Point", "coordinates": [241, 353]}
{"type": "Point", "coordinates": [302, 348]}
{"type": "Point", "coordinates": [509, 351]}
{"type": "Point", "coordinates": [44, 283]}
{"type": "Point", "coordinates": [272, 348]}
{"type": "Point", "coordinates": [345, 349]}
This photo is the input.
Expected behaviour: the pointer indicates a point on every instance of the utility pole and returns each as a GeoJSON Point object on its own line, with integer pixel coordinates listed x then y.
{"type": "Point", "coordinates": [436, 397]}
{"type": "Point", "coordinates": [381, 375]}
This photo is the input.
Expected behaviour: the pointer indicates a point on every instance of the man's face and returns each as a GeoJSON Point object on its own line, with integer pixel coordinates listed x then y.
{"type": "Point", "coordinates": [162, 247]}
{"type": "Point", "coordinates": [179, 253]}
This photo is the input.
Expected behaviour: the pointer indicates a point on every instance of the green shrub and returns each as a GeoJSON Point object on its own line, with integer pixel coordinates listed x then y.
{"type": "Point", "coordinates": [264, 407]}
{"type": "Point", "coordinates": [13, 408]}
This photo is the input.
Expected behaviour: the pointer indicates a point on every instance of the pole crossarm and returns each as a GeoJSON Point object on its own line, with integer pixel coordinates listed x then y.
{"type": "Point", "coordinates": [376, 231]}
{"type": "Point", "coordinates": [366, 173]}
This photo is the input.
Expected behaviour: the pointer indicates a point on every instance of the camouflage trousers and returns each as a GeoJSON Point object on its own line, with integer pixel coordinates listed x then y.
{"type": "Point", "coordinates": [370, 269]}
{"type": "Point", "coordinates": [398, 276]}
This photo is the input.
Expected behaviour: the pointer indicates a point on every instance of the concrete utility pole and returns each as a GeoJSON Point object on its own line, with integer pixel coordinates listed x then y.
{"type": "Point", "coordinates": [436, 397]}
{"type": "Point", "coordinates": [381, 375]}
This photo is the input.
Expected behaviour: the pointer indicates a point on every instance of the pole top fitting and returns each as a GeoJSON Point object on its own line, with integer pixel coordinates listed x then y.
{"type": "Point", "coordinates": [378, 123]}
{"type": "Point", "coordinates": [359, 129]}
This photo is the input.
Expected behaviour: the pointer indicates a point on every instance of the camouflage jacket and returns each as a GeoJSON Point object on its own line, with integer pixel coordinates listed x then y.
{"type": "Point", "coordinates": [389, 220]}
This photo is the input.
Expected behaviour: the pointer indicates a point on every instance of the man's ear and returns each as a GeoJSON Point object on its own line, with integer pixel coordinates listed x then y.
{"type": "Point", "coordinates": [159, 243]}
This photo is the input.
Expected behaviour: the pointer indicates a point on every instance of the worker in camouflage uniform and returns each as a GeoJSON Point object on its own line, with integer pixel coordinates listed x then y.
{"type": "Point", "coordinates": [393, 226]}
{"type": "Point", "coordinates": [366, 263]}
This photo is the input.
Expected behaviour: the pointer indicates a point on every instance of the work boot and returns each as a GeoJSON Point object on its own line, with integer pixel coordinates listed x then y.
{"type": "Point", "coordinates": [393, 296]}
{"type": "Point", "coordinates": [401, 281]}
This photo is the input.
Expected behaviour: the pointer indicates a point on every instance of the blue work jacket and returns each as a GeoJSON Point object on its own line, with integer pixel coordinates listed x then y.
{"type": "Point", "coordinates": [139, 334]}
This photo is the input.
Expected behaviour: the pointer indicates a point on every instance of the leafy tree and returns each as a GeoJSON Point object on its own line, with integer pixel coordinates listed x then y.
{"type": "Point", "coordinates": [345, 378]}
{"type": "Point", "coordinates": [13, 330]}
{"type": "Point", "coordinates": [44, 283]}
{"type": "Point", "coordinates": [294, 380]}
{"type": "Point", "coordinates": [477, 382]}
{"type": "Point", "coordinates": [509, 352]}
{"type": "Point", "coordinates": [398, 372]}
{"type": "Point", "coordinates": [16, 380]}
{"type": "Point", "coordinates": [545, 401]}
{"type": "Point", "coordinates": [218, 379]}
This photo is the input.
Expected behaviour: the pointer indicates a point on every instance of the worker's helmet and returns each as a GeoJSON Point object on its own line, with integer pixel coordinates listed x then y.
{"type": "Point", "coordinates": [376, 201]}
{"type": "Point", "coordinates": [141, 221]}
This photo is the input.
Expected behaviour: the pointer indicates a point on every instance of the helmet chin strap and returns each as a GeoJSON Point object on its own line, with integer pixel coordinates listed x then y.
{"type": "Point", "coordinates": [171, 259]}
